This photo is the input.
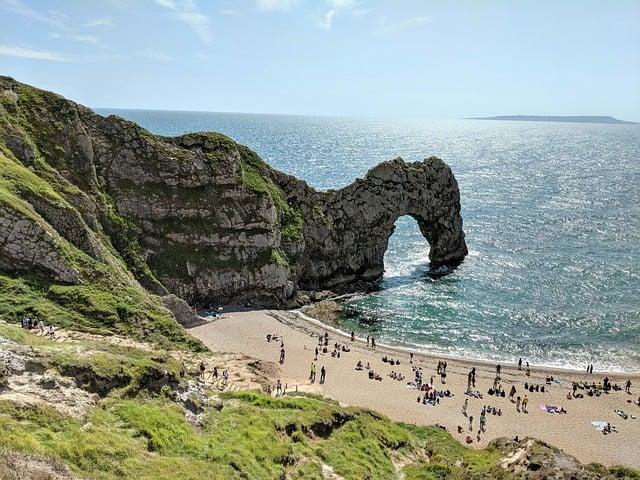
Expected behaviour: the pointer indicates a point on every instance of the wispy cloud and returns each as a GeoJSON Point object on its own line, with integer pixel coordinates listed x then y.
{"type": "Point", "coordinates": [336, 6]}
{"type": "Point", "coordinates": [388, 28]}
{"type": "Point", "coordinates": [153, 55]}
{"type": "Point", "coordinates": [229, 11]}
{"type": "Point", "coordinates": [22, 52]}
{"type": "Point", "coordinates": [52, 17]}
{"type": "Point", "coordinates": [100, 22]}
{"type": "Point", "coordinates": [327, 21]}
{"type": "Point", "coordinates": [270, 5]}
{"type": "Point", "coordinates": [91, 39]}
{"type": "Point", "coordinates": [187, 12]}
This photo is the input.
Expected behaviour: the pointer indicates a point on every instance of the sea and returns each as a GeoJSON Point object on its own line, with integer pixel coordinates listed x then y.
{"type": "Point", "coordinates": [552, 219]}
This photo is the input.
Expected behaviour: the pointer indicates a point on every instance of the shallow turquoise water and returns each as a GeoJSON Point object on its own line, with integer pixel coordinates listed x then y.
{"type": "Point", "coordinates": [552, 217]}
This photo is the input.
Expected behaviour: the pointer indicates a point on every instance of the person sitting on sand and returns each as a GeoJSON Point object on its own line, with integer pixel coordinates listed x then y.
{"type": "Point", "coordinates": [359, 365]}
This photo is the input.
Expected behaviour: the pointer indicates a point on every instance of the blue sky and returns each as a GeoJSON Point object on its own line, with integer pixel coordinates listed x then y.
{"type": "Point", "coordinates": [396, 58]}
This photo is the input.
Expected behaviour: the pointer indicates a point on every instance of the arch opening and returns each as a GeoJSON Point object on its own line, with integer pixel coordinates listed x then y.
{"type": "Point", "coordinates": [406, 257]}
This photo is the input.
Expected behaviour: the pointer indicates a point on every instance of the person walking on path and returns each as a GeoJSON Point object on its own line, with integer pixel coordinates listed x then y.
{"type": "Point", "coordinates": [323, 374]}
{"type": "Point", "coordinates": [202, 369]}
{"type": "Point", "coordinates": [464, 406]}
{"type": "Point", "coordinates": [312, 373]}
{"type": "Point", "coordinates": [471, 423]}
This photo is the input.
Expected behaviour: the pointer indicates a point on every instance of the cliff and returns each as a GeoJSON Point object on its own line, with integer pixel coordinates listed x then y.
{"type": "Point", "coordinates": [199, 215]}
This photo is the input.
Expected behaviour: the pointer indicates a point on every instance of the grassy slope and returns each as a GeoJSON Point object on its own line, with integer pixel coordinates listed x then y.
{"type": "Point", "coordinates": [109, 299]}
{"type": "Point", "coordinates": [133, 433]}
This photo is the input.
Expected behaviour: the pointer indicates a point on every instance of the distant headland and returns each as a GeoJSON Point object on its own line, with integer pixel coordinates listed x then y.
{"type": "Point", "coordinates": [553, 118]}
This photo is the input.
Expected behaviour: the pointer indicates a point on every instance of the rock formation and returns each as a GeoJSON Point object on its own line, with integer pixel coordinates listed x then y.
{"type": "Point", "coordinates": [198, 215]}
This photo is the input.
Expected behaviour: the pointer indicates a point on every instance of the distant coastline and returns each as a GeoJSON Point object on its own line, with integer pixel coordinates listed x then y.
{"type": "Point", "coordinates": [553, 118]}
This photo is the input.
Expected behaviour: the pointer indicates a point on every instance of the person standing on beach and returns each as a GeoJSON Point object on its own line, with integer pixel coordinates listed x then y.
{"type": "Point", "coordinates": [525, 401]}
{"type": "Point", "coordinates": [353, 336]}
{"type": "Point", "coordinates": [464, 406]}
{"type": "Point", "coordinates": [282, 355]}
{"type": "Point", "coordinates": [471, 423]}
{"type": "Point", "coordinates": [473, 377]}
{"type": "Point", "coordinates": [323, 374]}
{"type": "Point", "coordinates": [368, 340]}
{"type": "Point", "coordinates": [627, 387]}
{"type": "Point", "coordinates": [520, 364]}
{"type": "Point", "coordinates": [498, 369]}
{"type": "Point", "coordinates": [312, 374]}
{"type": "Point", "coordinates": [518, 403]}
{"type": "Point", "coordinates": [512, 392]}
{"type": "Point", "coordinates": [483, 420]}
{"type": "Point", "coordinates": [410, 357]}
{"type": "Point", "coordinates": [373, 342]}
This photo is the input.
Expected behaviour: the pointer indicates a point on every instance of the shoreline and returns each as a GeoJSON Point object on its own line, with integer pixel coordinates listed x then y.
{"type": "Point", "coordinates": [245, 332]}
{"type": "Point", "coordinates": [407, 348]}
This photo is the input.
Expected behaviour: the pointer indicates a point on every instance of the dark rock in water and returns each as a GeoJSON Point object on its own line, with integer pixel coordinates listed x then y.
{"type": "Point", "coordinates": [200, 216]}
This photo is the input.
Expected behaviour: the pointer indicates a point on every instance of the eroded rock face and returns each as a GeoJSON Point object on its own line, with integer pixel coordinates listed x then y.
{"type": "Point", "coordinates": [202, 217]}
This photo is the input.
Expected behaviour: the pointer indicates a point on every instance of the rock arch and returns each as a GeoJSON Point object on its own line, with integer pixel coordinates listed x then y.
{"type": "Point", "coordinates": [346, 231]}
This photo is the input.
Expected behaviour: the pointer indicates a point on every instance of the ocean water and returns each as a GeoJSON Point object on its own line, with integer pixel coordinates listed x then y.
{"type": "Point", "coordinates": [552, 217]}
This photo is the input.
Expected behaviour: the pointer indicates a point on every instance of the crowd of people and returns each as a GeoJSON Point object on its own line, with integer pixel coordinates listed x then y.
{"type": "Point", "coordinates": [34, 324]}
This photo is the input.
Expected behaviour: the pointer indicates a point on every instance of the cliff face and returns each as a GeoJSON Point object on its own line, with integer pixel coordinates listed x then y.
{"type": "Point", "coordinates": [199, 216]}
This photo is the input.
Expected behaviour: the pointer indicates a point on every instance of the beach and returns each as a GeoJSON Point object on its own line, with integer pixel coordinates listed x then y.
{"type": "Point", "coordinates": [245, 332]}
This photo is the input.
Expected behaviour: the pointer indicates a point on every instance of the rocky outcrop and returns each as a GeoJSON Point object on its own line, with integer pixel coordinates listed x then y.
{"type": "Point", "coordinates": [204, 218]}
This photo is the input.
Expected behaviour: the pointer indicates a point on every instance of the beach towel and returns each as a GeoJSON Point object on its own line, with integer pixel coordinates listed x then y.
{"type": "Point", "coordinates": [598, 425]}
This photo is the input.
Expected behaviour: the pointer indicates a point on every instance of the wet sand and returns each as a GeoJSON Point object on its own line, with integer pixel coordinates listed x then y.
{"type": "Point", "coordinates": [245, 332]}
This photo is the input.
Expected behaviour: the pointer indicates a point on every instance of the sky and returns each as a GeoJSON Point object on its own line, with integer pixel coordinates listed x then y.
{"type": "Point", "coordinates": [374, 58]}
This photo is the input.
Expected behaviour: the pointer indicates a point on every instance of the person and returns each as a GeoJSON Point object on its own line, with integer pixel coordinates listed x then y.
{"type": "Point", "coordinates": [471, 423]}
{"type": "Point", "coordinates": [373, 342]}
{"type": "Point", "coordinates": [518, 403]}
{"type": "Point", "coordinates": [512, 392]}
{"type": "Point", "coordinates": [312, 374]}
{"type": "Point", "coordinates": [51, 332]}
{"type": "Point", "coordinates": [627, 387]}
{"type": "Point", "coordinates": [323, 374]}
{"type": "Point", "coordinates": [464, 406]}
{"type": "Point", "coordinates": [368, 340]}
{"type": "Point", "coordinates": [279, 387]}
{"type": "Point", "coordinates": [498, 368]}
{"type": "Point", "coordinates": [410, 357]}
{"type": "Point", "coordinates": [316, 357]}
{"type": "Point", "coordinates": [483, 420]}
{"type": "Point", "coordinates": [202, 369]}
{"type": "Point", "coordinates": [520, 363]}
{"type": "Point", "coordinates": [353, 336]}
{"type": "Point", "coordinates": [215, 373]}
{"type": "Point", "coordinates": [282, 354]}
{"type": "Point", "coordinates": [525, 401]}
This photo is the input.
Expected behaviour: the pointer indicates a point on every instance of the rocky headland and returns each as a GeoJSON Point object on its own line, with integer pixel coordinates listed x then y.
{"type": "Point", "coordinates": [198, 216]}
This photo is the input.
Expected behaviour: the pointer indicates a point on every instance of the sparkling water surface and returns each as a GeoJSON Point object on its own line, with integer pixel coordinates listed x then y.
{"type": "Point", "coordinates": [552, 217]}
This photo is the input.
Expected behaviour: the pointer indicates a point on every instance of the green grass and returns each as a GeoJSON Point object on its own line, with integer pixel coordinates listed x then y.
{"type": "Point", "coordinates": [255, 174]}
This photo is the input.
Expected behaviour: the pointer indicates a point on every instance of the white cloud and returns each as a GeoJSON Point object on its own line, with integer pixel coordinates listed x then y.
{"type": "Point", "coordinates": [186, 11]}
{"type": "Point", "coordinates": [100, 22]}
{"type": "Point", "coordinates": [53, 17]}
{"type": "Point", "coordinates": [327, 21]}
{"type": "Point", "coordinates": [387, 28]}
{"type": "Point", "coordinates": [270, 5]}
{"type": "Point", "coordinates": [22, 52]}
{"type": "Point", "coordinates": [92, 39]}
{"type": "Point", "coordinates": [153, 55]}
{"type": "Point", "coordinates": [336, 6]}
{"type": "Point", "coordinates": [229, 11]}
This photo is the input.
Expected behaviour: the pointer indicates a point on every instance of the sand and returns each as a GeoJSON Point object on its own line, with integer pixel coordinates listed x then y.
{"type": "Point", "coordinates": [245, 333]}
